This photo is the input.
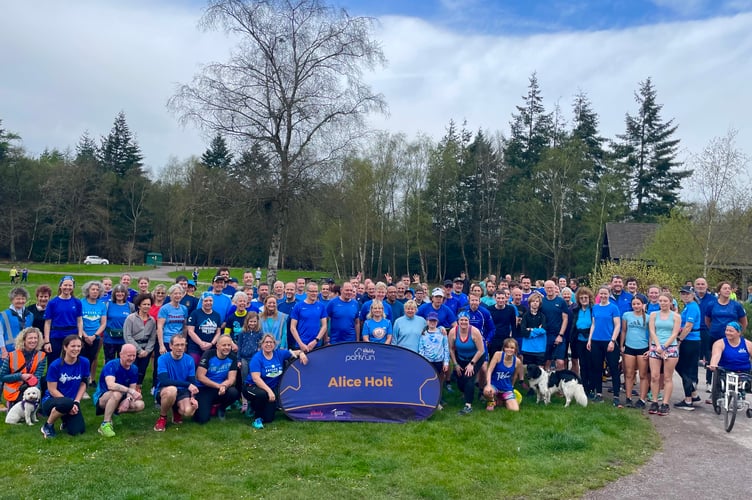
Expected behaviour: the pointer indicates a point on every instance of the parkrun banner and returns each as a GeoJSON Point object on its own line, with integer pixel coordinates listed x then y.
{"type": "Point", "coordinates": [360, 382]}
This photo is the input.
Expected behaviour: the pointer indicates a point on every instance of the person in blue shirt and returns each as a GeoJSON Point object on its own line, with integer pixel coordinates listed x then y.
{"type": "Point", "coordinates": [116, 391]}
{"type": "Point", "coordinates": [457, 300]}
{"type": "Point", "coordinates": [94, 315]}
{"type": "Point", "coordinates": [689, 348]}
{"type": "Point", "coordinates": [176, 384]}
{"type": "Point", "coordinates": [377, 328]}
{"type": "Point", "coordinates": [343, 315]}
{"type": "Point", "coordinates": [619, 296]}
{"type": "Point", "coordinates": [602, 345]}
{"type": "Point", "coordinates": [61, 318]}
{"type": "Point", "coordinates": [308, 320]}
{"type": "Point", "coordinates": [556, 312]}
{"type": "Point", "coordinates": [266, 368]}
{"type": "Point", "coordinates": [634, 344]}
{"type": "Point", "coordinates": [66, 385]}
{"type": "Point", "coordinates": [732, 352]}
{"type": "Point", "coordinates": [447, 318]}
{"type": "Point", "coordinates": [117, 311]}
{"type": "Point", "coordinates": [216, 374]}
{"type": "Point", "coordinates": [222, 302]}
{"type": "Point", "coordinates": [14, 319]}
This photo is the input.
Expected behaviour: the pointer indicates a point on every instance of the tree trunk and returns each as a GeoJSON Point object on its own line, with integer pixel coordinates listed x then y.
{"type": "Point", "coordinates": [275, 243]}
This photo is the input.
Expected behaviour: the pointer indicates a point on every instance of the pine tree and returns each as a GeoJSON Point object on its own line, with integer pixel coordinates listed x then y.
{"type": "Point", "coordinates": [217, 155]}
{"type": "Point", "coordinates": [585, 129]}
{"type": "Point", "coordinates": [648, 154]}
{"type": "Point", "coordinates": [531, 130]}
{"type": "Point", "coordinates": [119, 151]}
{"type": "Point", "coordinates": [86, 150]}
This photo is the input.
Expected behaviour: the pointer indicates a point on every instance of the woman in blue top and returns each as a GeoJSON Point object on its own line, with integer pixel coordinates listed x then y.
{"type": "Point", "coordinates": [118, 310]}
{"type": "Point", "coordinates": [689, 348]}
{"type": "Point", "coordinates": [266, 368]}
{"type": "Point", "coordinates": [408, 329]}
{"type": "Point", "coordinates": [723, 311]}
{"type": "Point", "coordinates": [634, 347]}
{"type": "Point", "coordinates": [377, 328]}
{"type": "Point", "coordinates": [664, 326]}
{"type": "Point", "coordinates": [94, 315]}
{"type": "Point", "coordinates": [466, 350]}
{"type": "Point", "coordinates": [579, 331]}
{"type": "Point", "coordinates": [61, 318]}
{"type": "Point", "coordinates": [504, 369]}
{"type": "Point", "coordinates": [66, 385]}
{"type": "Point", "coordinates": [601, 345]}
{"type": "Point", "coordinates": [732, 352]}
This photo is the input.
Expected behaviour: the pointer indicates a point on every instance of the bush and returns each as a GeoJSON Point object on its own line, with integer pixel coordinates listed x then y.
{"type": "Point", "coordinates": [645, 275]}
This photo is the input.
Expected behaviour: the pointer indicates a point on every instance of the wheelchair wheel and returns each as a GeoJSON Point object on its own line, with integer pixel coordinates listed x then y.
{"type": "Point", "coordinates": [749, 412]}
{"type": "Point", "coordinates": [715, 392]}
{"type": "Point", "coordinates": [730, 416]}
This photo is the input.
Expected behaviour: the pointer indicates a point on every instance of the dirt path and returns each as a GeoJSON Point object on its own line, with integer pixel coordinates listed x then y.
{"type": "Point", "coordinates": [698, 458]}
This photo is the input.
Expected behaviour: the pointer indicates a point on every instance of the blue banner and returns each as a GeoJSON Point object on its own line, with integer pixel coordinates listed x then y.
{"type": "Point", "coordinates": [360, 382]}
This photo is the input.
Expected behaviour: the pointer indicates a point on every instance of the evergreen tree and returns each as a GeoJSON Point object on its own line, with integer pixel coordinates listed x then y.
{"type": "Point", "coordinates": [217, 155]}
{"type": "Point", "coordinates": [531, 131]}
{"type": "Point", "coordinates": [585, 129]}
{"type": "Point", "coordinates": [86, 150]}
{"type": "Point", "coordinates": [648, 155]}
{"type": "Point", "coordinates": [119, 151]}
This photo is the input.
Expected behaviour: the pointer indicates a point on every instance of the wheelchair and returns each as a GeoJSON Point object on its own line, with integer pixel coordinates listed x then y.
{"type": "Point", "coordinates": [728, 394]}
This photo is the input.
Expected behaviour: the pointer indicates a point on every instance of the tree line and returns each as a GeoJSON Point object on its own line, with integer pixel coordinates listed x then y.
{"type": "Point", "coordinates": [293, 179]}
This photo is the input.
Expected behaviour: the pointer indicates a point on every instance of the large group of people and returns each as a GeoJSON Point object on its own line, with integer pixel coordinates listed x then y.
{"type": "Point", "coordinates": [228, 346]}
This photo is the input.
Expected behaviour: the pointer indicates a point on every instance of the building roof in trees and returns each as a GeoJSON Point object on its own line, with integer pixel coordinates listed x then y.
{"type": "Point", "coordinates": [626, 240]}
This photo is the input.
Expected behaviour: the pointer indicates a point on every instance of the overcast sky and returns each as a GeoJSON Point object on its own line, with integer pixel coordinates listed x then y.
{"type": "Point", "coordinates": [69, 67]}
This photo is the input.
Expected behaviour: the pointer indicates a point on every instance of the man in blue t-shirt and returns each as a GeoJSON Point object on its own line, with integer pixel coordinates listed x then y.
{"type": "Point", "coordinates": [343, 314]}
{"type": "Point", "coordinates": [176, 384]}
{"type": "Point", "coordinates": [447, 318]}
{"type": "Point", "coordinates": [554, 308]}
{"type": "Point", "coordinates": [620, 297]}
{"type": "Point", "coordinates": [457, 300]}
{"type": "Point", "coordinates": [308, 320]}
{"type": "Point", "coordinates": [222, 302]}
{"type": "Point", "coordinates": [116, 391]}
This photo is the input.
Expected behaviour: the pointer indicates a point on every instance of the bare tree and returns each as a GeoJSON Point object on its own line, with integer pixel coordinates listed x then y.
{"type": "Point", "coordinates": [293, 85]}
{"type": "Point", "coordinates": [719, 180]}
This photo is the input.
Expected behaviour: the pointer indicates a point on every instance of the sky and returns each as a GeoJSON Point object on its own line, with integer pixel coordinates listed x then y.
{"type": "Point", "coordinates": [70, 67]}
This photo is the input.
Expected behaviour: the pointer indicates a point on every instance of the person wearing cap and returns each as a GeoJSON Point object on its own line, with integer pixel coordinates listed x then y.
{"type": "Point", "coordinates": [732, 352]}
{"type": "Point", "coordinates": [447, 318]}
{"type": "Point", "coordinates": [24, 365]}
{"type": "Point", "coordinates": [222, 301]}
{"type": "Point", "coordinates": [189, 287]}
{"type": "Point", "coordinates": [231, 287]}
{"type": "Point", "coordinates": [457, 300]}
{"type": "Point", "coordinates": [689, 348]}
{"type": "Point", "coordinates": [62, 317]}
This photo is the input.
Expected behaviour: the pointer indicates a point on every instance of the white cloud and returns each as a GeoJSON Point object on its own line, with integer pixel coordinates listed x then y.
{"type": "Point", "coordinates": [73, 65]}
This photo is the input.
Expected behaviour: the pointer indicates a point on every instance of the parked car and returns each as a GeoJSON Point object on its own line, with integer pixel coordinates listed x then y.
{"type": "Point", "coordinates": [95, 259]}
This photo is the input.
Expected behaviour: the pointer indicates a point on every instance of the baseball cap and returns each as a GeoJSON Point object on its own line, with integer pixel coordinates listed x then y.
{"type": "Point", "coordinates": [447, 282]}
{"type": "Point", "coordinates": [432, 316]}
{"type": "Point", "coordinates": [437, 292]}
{"type": "Point", "coordinates": [192, 283]}
{"type": "Point", "coordinates": [218, 278]}
{"type": "Point", "coordinates": [687, 289]}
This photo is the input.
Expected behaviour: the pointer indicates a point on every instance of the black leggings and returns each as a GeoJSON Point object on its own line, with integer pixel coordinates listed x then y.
{"type": "Point", "coordinates": [209, 396]}
{"type": "Point", "coordinates": [466, 384]}
{"type": "Point", "coordinates": [142, 364]}
{"type": "Point", "coordinates": [259, 400]}
{"type": "Point", "coordinates": [74, 424]}
{"type": "Point", "coordinates": [686, 367]}
{"type": "Point", "coordinates": [597, 355]}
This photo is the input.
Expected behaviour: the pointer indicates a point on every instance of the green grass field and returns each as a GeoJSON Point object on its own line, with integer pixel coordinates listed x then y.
{"type": "Point", "coordinates": [541, 452]}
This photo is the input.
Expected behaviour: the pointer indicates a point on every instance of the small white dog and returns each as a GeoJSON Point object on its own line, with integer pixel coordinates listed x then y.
{"type": "Point", "coordinates": [26, 409]}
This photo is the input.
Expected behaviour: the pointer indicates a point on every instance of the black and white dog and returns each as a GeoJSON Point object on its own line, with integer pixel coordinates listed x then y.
{"type": "Point", "coordinates": [565, 381]}
{"type": "Point", "coordinates": [26, 409]}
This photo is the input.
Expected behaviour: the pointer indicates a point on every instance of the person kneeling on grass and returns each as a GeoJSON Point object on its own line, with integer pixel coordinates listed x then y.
{"type": "Point", "coordinates": [504, 369]}
{"type": "Point", "coordinates": [116, 391]}
{"type": "Point", "coordinates": [176, 384]}
{"type": "Point", "coordinates": [66, 384]}
{"type": "Point", "coordinates": [266, 368]}
{"type": "Point", "coordinates": [216, 375]}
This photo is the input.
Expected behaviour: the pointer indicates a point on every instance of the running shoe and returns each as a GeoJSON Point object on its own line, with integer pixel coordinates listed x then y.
{"type": "Point", "coordinates": [467, 410]}
{"type": "Point", "coordinates": [617, 403]}
{"type": "Point", "coordinates": [48, 431]}
{"type": "Point", "coordinates": [628, 403]}
{"type": "Point", "coordinates": [640, 404]}
{"type": "Point", "coordinates": [664, 410]}
{"type": "Point", "coordinates": [161, 424]}
{"type": "Point", "coordinates": [696, 399]}
{"type": "Point", "coordinates": [597, 398]}
{"type": "Point", "coordinates": [258, 424]}
{"type": "Point", "coordinates": [683, 405]}
{"type": "Point", "coordinates": [177, 418]}
{"type": "Point", "coordinates": [106, 430]}
{"type": "Point", "coordinates": [653, 408]}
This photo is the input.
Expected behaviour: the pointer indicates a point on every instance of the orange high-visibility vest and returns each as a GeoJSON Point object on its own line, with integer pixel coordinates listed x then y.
{"type": "Point", "coordinates": [17, 363]}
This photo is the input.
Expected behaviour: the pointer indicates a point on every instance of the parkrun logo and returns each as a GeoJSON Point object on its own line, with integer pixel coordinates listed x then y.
{"type": "Point", "coordinates": [361, 354]}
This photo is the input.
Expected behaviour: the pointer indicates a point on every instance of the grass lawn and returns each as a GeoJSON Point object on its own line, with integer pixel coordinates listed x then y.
{"type": "Point", "coordinates": [541, 452]}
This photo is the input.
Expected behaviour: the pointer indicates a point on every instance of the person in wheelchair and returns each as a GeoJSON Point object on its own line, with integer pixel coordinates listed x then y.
{"type": "Point", "coordinates": [732, 353]}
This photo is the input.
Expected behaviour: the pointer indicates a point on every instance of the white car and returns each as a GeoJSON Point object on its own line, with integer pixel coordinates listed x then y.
{"type": "Point", "coordinates": [94, 259]}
